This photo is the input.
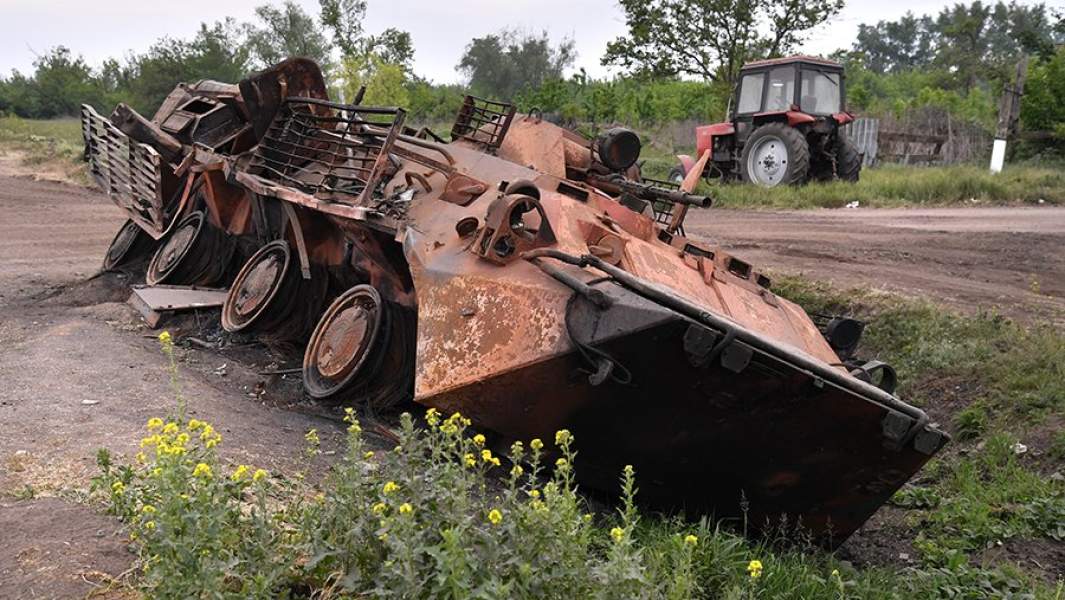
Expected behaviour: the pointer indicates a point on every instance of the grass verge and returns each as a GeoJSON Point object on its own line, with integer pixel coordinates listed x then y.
{"type": "Point", "coordinates": [441, 516]}
{"type": "Point", "coordinates": [51, 148]}
{"type": "Point", "coordinates": [890, 186]}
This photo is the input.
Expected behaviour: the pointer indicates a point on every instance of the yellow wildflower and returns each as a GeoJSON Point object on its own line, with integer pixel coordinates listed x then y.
{"type": "Point", "coordinates": [240, 473]}
{"type": "Point", "coordinates": [478, 439]}
{"type": "Point", "coordinates": [149, 525]}
{"type": "Point", "coordinates": [486, 455]}
{"type": "Point", "coordinates": [405, 508]}
{"type": "Point", "coordinates": [170, 428]}
{"type": "Point", "coordinates": [495, 462]}
{"type": "Point", "coordinates": [469, 460]}
{"type": "Point", "coordinates": [165, 337]}
{"type": "Point", "coordinates": [379, 508]}
{"type": "Point", "coordinates": [495, 517]}
{"type": "Point", "coordinates": [349, 414]}
{"type": "Point", "coordinates": [534, 493]}
{"type": "Point", "coordinates": [562, 437]}
{"type": "Point", "coordinates": [516, 471]}
{"type": "Point", "coordinates": [390, 487]}
{"type": "Point", "coordinates": [154, 423]}
{"type": "Point", "coordinates": [432, 417]}
{"type": "Point", "coordinates": [211, 443]}
{"type": "Point", "coordinates": [617, 533]}
{"type": "Point", "coordinates": [156, 472]}
{"type": "Point", "coordinates": [835, 573]}
{"type": "Point", "coordinates": [562, 464]}
{"type": "Point", "coordinates": [259, 475]}
{"type": "Point", "coordinates": [195, 424]}
{"type": "Point", "coordinates": [587, 518]}
{"type": "Point", "coordinates": [368, 454]}
{"type": "Point", "coordinates": [691, 540]}
{"type": "Point", "coordinates": [141, 458]}
{"type": "Point", "coordinates": [118, 487]}
{"type": "Point", "coordinates": [148, 509]}
{"type": "Point", "coordinates": [539, 506]}
{"type": "Point", "coordinates": [182, 439]}
{"type": "Point", "coordinates": [202, 470]}
{"type": "Point", "coordinates": [517, 449]}
{"type": "Point", "coordinates": [754, 568]}
{"type": "Point", "coordinates": [536, 444]}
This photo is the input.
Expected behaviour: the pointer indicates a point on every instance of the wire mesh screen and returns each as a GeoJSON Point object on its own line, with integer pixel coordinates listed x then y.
{"type": "Point", "coordinates": [334, 152]}
{"type": "Point", "coordinates": [663, 211]}
{"type": "Point", "coordinates": [483, 121]}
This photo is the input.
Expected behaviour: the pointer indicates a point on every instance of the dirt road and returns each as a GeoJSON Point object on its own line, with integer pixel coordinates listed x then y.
{"type": "Point", "coordinates": [78, 372]}
{"type": "Point", "coordinates": [1009, 259]}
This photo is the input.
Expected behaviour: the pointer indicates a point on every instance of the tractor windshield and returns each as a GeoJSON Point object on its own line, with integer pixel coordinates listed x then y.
{"type": "Point", "coordinates": [781, 93]}
{"type": "Point", "coordinates": [820, 92]}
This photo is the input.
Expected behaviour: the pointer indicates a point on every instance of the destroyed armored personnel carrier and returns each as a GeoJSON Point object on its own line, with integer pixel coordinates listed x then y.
{"type": "Point", "coordinates": [519, 273]}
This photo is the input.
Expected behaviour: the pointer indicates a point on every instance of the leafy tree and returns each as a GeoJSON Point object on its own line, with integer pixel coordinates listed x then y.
{"type": "Point", "coordinates": [219, 51]}
{"type": "Point", "coordinates": [711, 39]}
{"type": "Point", "coordinates": [385, 82]}
{"type": "Point", "coordinates": [288, 31]}
{"type": "Point", "coordinates": [893, 46]}
{"type": "Point", "coordinates": [60, 84]}
{"type": "Point", "coordinates": [500, 65]}
{"type": "Point", "coordinates": [974, 42]}
{"type": "Point", "coordinates": [1043, 108]}
{"type": "Point", "coordinates": [344, 19]}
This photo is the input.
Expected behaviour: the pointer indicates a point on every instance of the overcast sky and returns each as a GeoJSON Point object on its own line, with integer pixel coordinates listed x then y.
{"type": "Point", "coordinates": [98, 29]}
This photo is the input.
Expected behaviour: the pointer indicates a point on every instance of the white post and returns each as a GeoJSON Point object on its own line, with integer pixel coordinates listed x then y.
{"type": "Point", "coordinates": [998, 155]}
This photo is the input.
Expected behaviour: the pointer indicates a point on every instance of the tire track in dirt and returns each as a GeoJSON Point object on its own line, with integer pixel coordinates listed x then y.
{"type": "Point", "coordinates": [1009, 259]}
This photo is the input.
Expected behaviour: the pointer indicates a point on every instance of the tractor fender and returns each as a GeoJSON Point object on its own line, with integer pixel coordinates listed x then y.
{"type": "Point", "coordinates": [686, 162]}
{"type": "Point", "coordinates": [843, 118]}
{"type": "Point", "coordinates": [797, 118]}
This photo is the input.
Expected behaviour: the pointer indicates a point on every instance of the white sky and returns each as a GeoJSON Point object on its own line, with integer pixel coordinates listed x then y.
{"type": "Point", "coordinates": [98, 29]}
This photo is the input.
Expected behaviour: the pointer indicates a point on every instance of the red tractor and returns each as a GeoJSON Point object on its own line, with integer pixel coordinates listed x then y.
{"type": "Point", "coordinates": [785, 127]}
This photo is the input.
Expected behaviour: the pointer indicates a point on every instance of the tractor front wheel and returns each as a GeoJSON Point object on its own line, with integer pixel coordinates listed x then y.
{"type": "Point", "coordinates": [775, 154]}
{"type": "Point", "coordinates": [848, 160]}
{"type": "Point", "coordinates": [676, 175]}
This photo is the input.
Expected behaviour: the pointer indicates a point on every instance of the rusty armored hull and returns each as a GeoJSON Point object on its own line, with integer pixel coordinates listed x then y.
{"type": "Point", "coordinates": [526, 276]}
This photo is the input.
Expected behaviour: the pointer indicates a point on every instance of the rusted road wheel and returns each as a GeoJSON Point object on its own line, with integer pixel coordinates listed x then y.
{"type": "Point", "coordinates": [130, 245]}
{"type": "Point", "coordinates": [362, 350]}
{"type": "Point", "coordinates": [262, 293]}
{"type": "Point", "coordinates": [193, 254]}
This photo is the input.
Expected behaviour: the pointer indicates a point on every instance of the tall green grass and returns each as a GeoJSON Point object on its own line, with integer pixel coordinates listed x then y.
{"type": "Point", "coordinates": [896, 185]}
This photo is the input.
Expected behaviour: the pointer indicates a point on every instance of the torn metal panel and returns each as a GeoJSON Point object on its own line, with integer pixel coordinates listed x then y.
{"type": "Point", "coordinates": [155, 301]}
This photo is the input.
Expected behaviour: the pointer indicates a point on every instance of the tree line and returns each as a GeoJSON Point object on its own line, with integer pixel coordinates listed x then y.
{"type": "Point", "coordinates": [678, 60]}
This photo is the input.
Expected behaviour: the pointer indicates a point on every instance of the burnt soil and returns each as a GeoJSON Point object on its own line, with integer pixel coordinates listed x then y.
{"type": "Point", "coordinates": [80, 371]}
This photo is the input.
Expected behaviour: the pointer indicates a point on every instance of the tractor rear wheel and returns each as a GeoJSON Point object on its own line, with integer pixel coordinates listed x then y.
{"type": "Point", "coordinates": [775, 154]}
{"type": "Point", "coordinates": [848, 159]}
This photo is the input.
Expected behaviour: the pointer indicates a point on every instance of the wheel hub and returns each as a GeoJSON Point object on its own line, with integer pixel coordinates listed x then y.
{"type": "Point", "coordinates": [177, 246]}
{"type": "Point", "coordinates": [344, 341]}
{"type": "Point", "coordinates": [345, 349]}
{"type": "Point", "coordinates": [256, 287]}
{"type": "Point", "coordinates": [769, 161]}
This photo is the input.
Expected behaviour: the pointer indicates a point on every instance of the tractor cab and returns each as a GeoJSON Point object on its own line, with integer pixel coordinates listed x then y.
{"type": "Point", "coordinates": [784, 126]}
{"type": "Point", "coordinates": [801, 84]}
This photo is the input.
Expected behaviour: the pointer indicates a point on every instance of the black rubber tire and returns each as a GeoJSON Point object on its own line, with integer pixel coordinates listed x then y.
{"type": "Point", "coordinates": [798, 150]}
{"type": "Point", "coordinates": [848, 159]}
{"type": "Point", "coordinates": [676, 174]}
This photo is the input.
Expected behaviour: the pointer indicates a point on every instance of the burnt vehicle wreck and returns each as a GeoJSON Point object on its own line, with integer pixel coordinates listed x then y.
{"type": "Point", "coordinates": [519, 273]}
